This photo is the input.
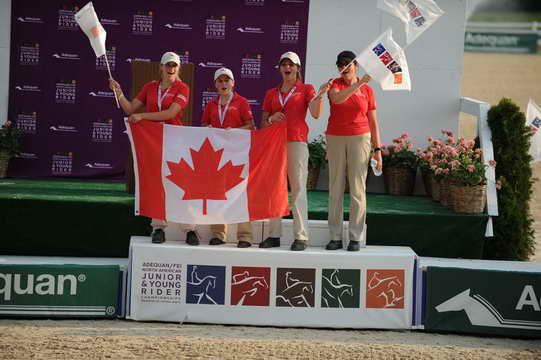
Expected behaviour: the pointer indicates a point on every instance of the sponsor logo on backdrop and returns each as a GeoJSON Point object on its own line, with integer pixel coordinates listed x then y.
{"type": "Point", "coordinates": [385, 289]}
{"type": "Point", "coordinates": [29, 54]}
{"type": "Point", "coordinates": [101, 64]}
{"type": "Point", "coordinates": [250, 67]}
{"type": "Point", "coordinates": [340, 288]}
{"type": "Point", "coordinates": [289, 32]}
{"type": "Point", "coordinates": [65, 92]}
{"type": "Point", "coordinates": [66, 19]}
{"type": "Point", "coordinates": [66, 56]}
{"type": "Point", "coordinates": [211, 64]}
{"type": "Point", "coordinates": [250, 30]}
{"type": "Point", "coordinates": [254, 102]}
{"type": "Point", "coordinates": [293, 1]}
{"type": "Point", "coordinates": [32, 88]}
{"type": "Point", "coordinates": [161, 282]}
{"type": "Point", "coordinates": [178, 26]}
{"type": "Point", "coordinates": [27, 122]}
{"type": "Point", "coordinates": [207, 96]}
{"type": "Point", "coordinates": [62, 128]}
{"type": "Point", "coordinates": [97, 165]}
{"type": "Point", "coordinates": [250, 286]}
{"type": "Point", "coordinates": [254, 2]}
{"type": "Point", "coordinates": [130, 60]}
{"type": "Point", "coordinates": [113, 22]}
{"type": "Point", "coordinates": [142, 23]}
{"type": "Point", "coordinates": [184, 56]}
{"type": "Point", "coordinates": [30, 19]}
{"type": "Point", "coordinates": [62, 163]}
{"type": "Point", "coordinates": [102, 130]}
{"type": "Point", "coordinates": [43, 284]}
{"type": "Point", "coordinates": [295, 287]}
{"type": "Point", "coordinates": [25, 155]}
{"type": "Point", "coordinates": [102, 94]}
{"type": "Point", "coordinates": [481, 312]}
{"type": "Point", "coordinates": [215, 28]}
{"type": "Point", "coordinates": [205, 284]}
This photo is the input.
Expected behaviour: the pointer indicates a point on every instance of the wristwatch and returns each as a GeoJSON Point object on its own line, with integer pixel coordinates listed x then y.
{"type": "Point", "coordinates": [376, 149]}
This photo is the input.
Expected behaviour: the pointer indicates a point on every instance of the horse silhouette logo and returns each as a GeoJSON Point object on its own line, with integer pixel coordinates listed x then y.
{"type": "Point", "coordinates": [340, 288]}
{"type": "Point", "coordinates": [385, 289]}
{"type": "Point", "coordinates": [295, 287]}
{"type": "Point", "coordinates": [205, 285]}
{"type": "Point", "coordinates": [250, 286]}
{"type": "Point", "coordinates": [480, 312]}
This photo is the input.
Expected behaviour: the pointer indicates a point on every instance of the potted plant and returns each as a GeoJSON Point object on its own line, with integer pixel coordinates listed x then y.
{"type": "Point", "coordinates": [9, 145]}
{"type": "Point", "coordinates": [439, 154]}
{"type": "Point", "coordinates": [317, 157]}
{"type": "Point", "coordinates": [399, 166]}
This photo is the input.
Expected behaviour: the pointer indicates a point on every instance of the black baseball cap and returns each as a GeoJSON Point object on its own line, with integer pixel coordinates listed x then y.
{"type": "Point", "coordinates": [345, 57]}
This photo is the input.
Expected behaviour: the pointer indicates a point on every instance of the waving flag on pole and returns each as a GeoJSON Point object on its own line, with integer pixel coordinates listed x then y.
{"type": "Point", "coordinates": [385, 61]}
{"type": "Point", "coordinates": [89, 23]}
{"type": "Point", "coordinates": [200, 175]}
{"type": "Point", "coordinates": [533, 119]}
{"type": "Point", "coordinates": [417, 15]}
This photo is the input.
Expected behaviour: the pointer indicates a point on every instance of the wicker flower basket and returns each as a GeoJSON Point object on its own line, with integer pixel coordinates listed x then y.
{"type": "Point", "coordinates": [435, 188]}
{"type": "Point", "coordinates": [4, 161]}
{"type": "Point", "coordinates": [445, 193]}
{"type": "Point", "coordinates": [427, 181]}
{"type": "Point", "coordinates": [399, 180]}
{"type": "Point", "coordinates": [313, 176]}
{"type": "Point", "coordinates": [469, 199]}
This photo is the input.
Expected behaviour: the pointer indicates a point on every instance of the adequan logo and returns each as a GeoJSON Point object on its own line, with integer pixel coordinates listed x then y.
{"type": "Point", "coordinates": [30, 19]}
{"type": "Point", "coordinates": [43, 284]}
{"type": "Point", "coordinates": [250, 30]}
{"type": "Point", "coordinates": [178, 26]}
{"type": "Point", "coordinates": [66, 56]}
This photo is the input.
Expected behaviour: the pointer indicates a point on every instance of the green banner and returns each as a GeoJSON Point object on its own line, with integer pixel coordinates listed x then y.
{"type": "Point", "coordinates": [483, 301]}
{"type": "Point", "coordinates": [521, 43]}
{"type": "Point", "coordinates": [59, 290]}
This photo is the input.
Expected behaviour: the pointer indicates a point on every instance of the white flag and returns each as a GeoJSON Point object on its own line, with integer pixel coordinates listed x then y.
{"type": "Point", "coordinates": [90, 24]}
{"type": "Point", "coordinates": [533, 119]}
{"type": "Point", "coordinates": [385, 61]}
{"type": "Point", "coordinates": [417, 15]}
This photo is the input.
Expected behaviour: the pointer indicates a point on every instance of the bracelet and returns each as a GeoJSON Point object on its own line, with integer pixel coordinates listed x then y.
{"type": "Point", "coordinates": [376, 149]}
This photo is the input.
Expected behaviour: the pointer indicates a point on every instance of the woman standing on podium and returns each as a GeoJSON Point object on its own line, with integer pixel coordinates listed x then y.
{"type": "Point", "coordinates": [352, 132]}
{"type": "Point", "coordinates": [290, 102]}
{"type": "Point", "coordinates": [229, 110]}
{"type": "Point", "coordinates": [165, 101]}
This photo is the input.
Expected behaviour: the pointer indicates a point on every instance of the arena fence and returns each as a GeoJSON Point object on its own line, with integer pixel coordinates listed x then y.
{"type": "Point", "coordinates": [512, 37]}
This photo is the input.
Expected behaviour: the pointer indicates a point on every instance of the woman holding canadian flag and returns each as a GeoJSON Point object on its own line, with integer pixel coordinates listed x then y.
{"type": "Point", "coordinates": [228, 110]}
{"type": "Point", "coordinates": [165, 101]}
{"type": "Point", "coordinates": [290, 102]}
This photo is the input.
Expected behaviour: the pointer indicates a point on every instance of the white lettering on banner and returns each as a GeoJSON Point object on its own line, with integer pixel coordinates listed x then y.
{"type": "Point", "coordinates": [45, 284]}
{"type": "Point", "coordinates": [492, 40]}
{"type": "Point", "coordinates": [528, 298]}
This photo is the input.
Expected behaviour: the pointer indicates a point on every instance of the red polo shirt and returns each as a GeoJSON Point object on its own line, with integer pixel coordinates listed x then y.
{"type": "Point", "coordinates": [294, 109]}
{"type": "Point", "coordinates": [351, 116]}
{"type": "Point", "coordinates": [178, 93]}
{"type": "Point", "coordinates": [238, 113]}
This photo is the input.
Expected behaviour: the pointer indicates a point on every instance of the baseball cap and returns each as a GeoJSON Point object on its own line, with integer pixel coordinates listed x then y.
{"type": "Point", "coordinates": [345, 57]}
{"type": "Point", "coordinates": [170, 57]}
{"type": "Point", "coordinates": [291, 56]}
{"type": "Point", "coordinates": [223, 71]}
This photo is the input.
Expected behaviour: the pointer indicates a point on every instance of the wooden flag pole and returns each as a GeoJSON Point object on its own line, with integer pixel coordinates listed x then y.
{"type": "Point", "coordinates": [111, 77]}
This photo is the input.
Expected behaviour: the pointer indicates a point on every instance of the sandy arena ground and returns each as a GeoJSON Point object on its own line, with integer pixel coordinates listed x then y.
{"type": "Point", "coordinates": [487, 77]}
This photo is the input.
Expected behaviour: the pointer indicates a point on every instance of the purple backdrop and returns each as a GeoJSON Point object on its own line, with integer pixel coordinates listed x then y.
{"type": "Point", "coordinates": [59, 93]}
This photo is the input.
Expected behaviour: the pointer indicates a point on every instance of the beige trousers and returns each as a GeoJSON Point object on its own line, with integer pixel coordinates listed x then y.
{"type": "Point", "coordinates": [244, 231]}
{"type": "Point", "coordinates": [162, 224]}
{"type": "Point", "coordinates": [353, 153]}
{"type": "Point", "coordinates": [297, 174]}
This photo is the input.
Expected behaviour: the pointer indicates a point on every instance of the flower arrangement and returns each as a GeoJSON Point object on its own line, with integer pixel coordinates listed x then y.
{"type": "Point", "coordinates": [10, 139]}
{"type": "Point", "coordinates": [400, 153]}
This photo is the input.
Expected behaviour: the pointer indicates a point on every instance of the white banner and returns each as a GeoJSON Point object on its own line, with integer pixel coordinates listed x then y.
{"type": "Point", "coordinates": [372, 288]}
{"type": "Point", "coordinates": [533, 120]}
{"type": "Point", "coordinates": [90, 24]}
{"type": "Point", "coordinates": [385, 61]}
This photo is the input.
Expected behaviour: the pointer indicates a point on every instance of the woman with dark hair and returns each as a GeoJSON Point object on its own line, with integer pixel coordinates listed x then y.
{"type": "Point", "coordinates": [352, 136]}
{"type": "Point", "coordinates": [228, 110]}
{"type": "Point", "coordinates": [290, 102]}
{"type": "Point", "coordinates": [165, 100]}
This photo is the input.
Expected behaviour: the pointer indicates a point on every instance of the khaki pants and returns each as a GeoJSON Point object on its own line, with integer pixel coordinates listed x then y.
{"type": "Point", "coordinates": [162, 224]}
{"type": "Point", "coordinates": [353, 153]}
{"type": "Point", "coordinates": [244, 231]}
{"type": "Point", "coordinates": [297, 174]}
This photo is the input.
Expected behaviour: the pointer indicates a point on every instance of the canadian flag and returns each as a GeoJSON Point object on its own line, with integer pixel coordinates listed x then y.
{"type": "Point", "coordinates": [385, 61]}
{"type": "Point", "coordinates": [200, 175]}
{"type": "Point", "coordinates": [533, 119]}
{"type": "Point", "coordinates": [91, 26]}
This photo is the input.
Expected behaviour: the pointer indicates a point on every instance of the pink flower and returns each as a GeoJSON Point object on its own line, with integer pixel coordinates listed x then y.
{"type": "Point", "coordinates": [7, 123]}
{"type": "Point", "coordinates": [433, 167]}
{"type": "Point", "coordinates": [471, 168]}
{"type": "Point", "coordinates": [533, 130]}
{"type": "Point", "coordinates": [404, 136]}
{"type": "Point", "coordinates": [429, 155]}
{"type": "Point", "coordinates": [410, 146]}
{"type": "Point", "coordinates": [470, 143]}
{"type": "Point", "coordinates": [385, 152]}
{"type": "Point", "coordinates": [396, 141]}
{"type": "Point", "coordinates": [438, 171]}
{"type": "Point", "coordinates": [436, 142]}
{"type": "Point", "coordinates": [498, 184]}
{"type": "Point", "coordinates": [455, 164]}
{"type": "Point", "coordinates": [477, 156]}
{"type": "Point", "coordinates": [492, 163]}
{"type": "Point", "coordinates": [450, 140]}
{"type": "Point", "coordinates": [446, 171]}
{"type": "Point", "coordinates": [430, 139]}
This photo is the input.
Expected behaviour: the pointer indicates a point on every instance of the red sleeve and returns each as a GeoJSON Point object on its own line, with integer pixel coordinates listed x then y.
{"type": "Point", "coordinates": [205, 121]}
{"type": "Point", "coordinates": [246, 113]}
{"type": "Point", "coordinates": [182, 96]}
{"type": "Point", "coordinates": [142, 96]}
{"type": "Point", "coordinates": [267, 102]}
{"type": "Point", "coordinates": [371, 98]}
{"type": "Point", "coordinates": [309, 93]}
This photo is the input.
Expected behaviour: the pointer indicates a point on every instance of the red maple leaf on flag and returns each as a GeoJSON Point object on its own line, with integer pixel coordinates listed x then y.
{"type": "Point", "coordinates": [205, 181]}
